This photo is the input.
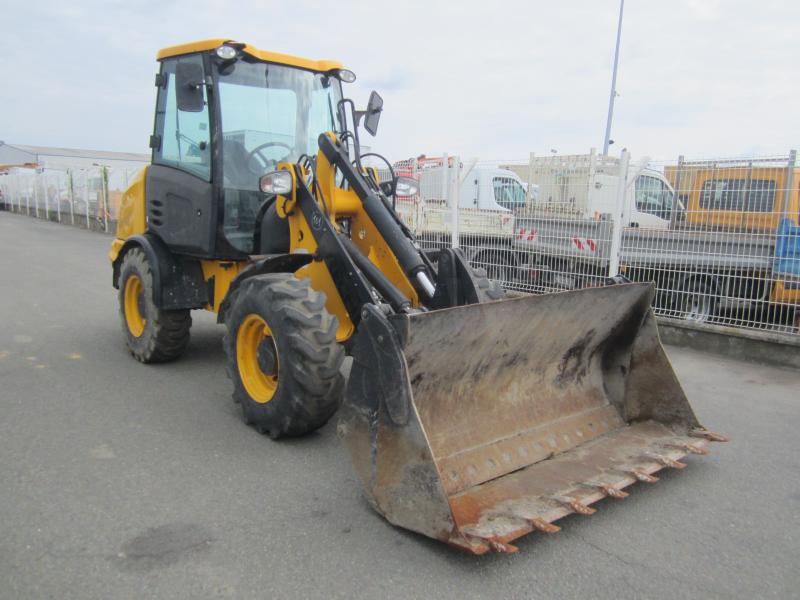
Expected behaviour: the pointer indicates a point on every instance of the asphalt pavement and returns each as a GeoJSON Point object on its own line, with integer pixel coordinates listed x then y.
{"type": "Point", "coordinates": [122, 480]}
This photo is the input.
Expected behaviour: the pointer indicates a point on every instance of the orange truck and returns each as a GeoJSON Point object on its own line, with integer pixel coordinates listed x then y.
{"type": "Point", "coordinates": [756, 203]}
{"type": "Point", "coordinates": [736, 195]}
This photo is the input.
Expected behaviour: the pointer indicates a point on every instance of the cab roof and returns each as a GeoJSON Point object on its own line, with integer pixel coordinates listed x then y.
{"type": "Point", "coordinates": [322, 66]}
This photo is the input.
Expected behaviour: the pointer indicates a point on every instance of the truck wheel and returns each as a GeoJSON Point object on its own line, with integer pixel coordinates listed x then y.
{"type": "Point", "coordinates": [282, 355]}
{"type": "Point", "coordinates": [152, 335]}
{"type": "Point", "coordinates": [697, 301]}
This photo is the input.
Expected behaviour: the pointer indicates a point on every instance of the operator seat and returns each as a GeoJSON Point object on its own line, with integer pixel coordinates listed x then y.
{"type": "Point", "coordinates": [237, 174]}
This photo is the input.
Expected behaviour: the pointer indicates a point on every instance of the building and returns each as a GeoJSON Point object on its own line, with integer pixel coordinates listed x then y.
{"type": "Point", "coordinates": [43, 157]}
{"type": "Point", "coordinates": [85, 185]}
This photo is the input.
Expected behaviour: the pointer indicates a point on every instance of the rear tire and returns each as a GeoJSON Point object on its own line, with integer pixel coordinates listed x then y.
{"type": "Point", "coordinates": [282, 355]}
{"type": "Point", "coordinates": [151, 334]}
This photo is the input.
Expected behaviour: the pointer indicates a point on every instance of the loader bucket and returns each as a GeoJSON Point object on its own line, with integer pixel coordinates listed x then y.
{"type": "Point", "coordinates": [478, 424]}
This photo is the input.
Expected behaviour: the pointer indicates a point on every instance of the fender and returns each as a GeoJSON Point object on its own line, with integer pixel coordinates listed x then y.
{"type": "Point", "coordinates": [271, 263]}
{"type": "Point", "coordinates": [177, 281]}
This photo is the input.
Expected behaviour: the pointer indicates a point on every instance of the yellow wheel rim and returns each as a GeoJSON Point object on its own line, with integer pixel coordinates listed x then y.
{"type": "Point", "coordinates": [252, 333]}
{"type": "Point", "coordinates": [133, 297]}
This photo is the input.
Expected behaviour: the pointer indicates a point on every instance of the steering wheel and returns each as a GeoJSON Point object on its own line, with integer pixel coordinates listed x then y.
{"type": "Point", "coordinates": [257, 152]}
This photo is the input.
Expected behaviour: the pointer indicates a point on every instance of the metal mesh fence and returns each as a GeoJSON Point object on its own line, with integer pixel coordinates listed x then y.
{"type": "Point", "coordinates": [84, 197]}
{"type": "Point", "coordinates": [729, 253]}
{"type": "Point", "coordinates": [719, 238]}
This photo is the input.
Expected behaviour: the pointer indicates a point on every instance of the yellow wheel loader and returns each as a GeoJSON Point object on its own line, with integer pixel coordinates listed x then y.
{"type": "Point", "coordinates": [470, 418]}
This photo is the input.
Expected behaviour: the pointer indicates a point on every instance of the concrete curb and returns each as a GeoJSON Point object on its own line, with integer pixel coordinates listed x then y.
{"type": "Point", "coordinates": [752, 346]}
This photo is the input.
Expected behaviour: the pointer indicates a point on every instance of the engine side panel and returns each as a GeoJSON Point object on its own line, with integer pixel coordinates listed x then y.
{"type": "Point", "coordinates": [132, 207]}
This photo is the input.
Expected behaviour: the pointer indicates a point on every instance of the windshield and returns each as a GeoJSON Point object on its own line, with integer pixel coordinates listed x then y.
{"type": "Point", "coordinates": [653, 196]}
{"type": "Point", "coordinates": [269, 114]}
{"type": "Point", "coordinates": [509, 193]}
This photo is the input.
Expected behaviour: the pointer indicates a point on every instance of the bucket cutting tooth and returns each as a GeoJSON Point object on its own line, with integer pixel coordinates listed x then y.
{"type": "Point", "coordinates": [666, 461]}
{"type": "Point", "coordinates": [642, 476]}
{"type": "Point", "coordinates": [541, 525]}
{"type": "Point", "coordinates": [574, 505]}
{"type": "Point", "coordinates": [690, 448]}
{"type": "Point", "coordinates": [607, 489]}
{"type": "Point", "coordinates": [709, 435]}
{"type": "Point", "coordinates": [499, 546]}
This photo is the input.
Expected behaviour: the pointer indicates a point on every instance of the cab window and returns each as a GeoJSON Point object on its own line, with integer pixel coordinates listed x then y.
{"type": "Point", "coordinates": [269, 114]}
{"type": "Point", "coordinates": [653, 196]}
{"type": "Point", "coordinates": [185, 136]}
{"type": "Point", "coordinates": [734, 195]}
{"type": "Point", "coordinates": [508, 193]}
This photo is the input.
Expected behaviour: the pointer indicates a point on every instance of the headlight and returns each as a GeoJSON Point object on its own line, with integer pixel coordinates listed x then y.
{"type": "Point", "coordinates": [346, 75]}
{"type": "Point", "coordinates": [277, 182]}
{"type": "Point", "coordinates": [406, 186]}
{"type": "Point", "coordinates": [226, 52]}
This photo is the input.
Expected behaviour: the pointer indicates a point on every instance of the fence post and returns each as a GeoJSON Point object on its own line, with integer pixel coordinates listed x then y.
{"type": "Point", "coordinates": [86, 196]}
{"type": "Point", "coordinates": [58, 198]}
{"type": "Point", "coordinates": [104, 190]}
{"type": "Point", "coordinates": [673, 215]}
{"type": "Point", "coordinates": [529, 199]}
{"type": "Point", "coordinates": [446, 190]}
{"type": "Point", "coordinates": [454, 188]}
{"type": "Point", "coordinates": [43, 180]}
{"type": "Point", "coordinates": [71, 195]}
{"type": "Point", "coordinates": [617, 224]}
{"type": "Point", "coordinates": [36, 192]}
{"type": "Point", "coordinates": [789, 182]}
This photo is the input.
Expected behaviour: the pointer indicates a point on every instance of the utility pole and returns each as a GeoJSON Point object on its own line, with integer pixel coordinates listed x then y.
{"type": "Point", "coordinates": [613, 82]}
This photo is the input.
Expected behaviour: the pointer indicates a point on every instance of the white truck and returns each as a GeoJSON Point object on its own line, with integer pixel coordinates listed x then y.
{"type": "Point", "coordinates": [486, 196]}
{"type": "Point", "coordinates": [586, 186]}
{"type": "Point", "coordinates": [549, 224]}
{"type": "Point", "coordinates": [507, 210]}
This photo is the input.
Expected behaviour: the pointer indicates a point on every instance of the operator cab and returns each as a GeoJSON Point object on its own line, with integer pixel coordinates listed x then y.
{"type": "Point", "coordinates": [227, 114]}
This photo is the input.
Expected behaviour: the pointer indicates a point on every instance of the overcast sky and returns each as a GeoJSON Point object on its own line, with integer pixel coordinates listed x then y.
{"type": "Point", "coordinates": [491, 79]}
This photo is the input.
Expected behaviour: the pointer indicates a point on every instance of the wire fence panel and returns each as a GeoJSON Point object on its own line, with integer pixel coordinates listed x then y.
{"type": "Point", "coordinates": [85, 197]}
{"type": "Point", "coordinates": [566, 235]}
{"type": "Point", "coordinates": [719, 238]}
{"type": "Point", "coordinates": [729, 252]}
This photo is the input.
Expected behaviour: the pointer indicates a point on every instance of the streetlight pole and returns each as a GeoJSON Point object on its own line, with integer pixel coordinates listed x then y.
{"type": "Point", "coordinates": [613, 82]}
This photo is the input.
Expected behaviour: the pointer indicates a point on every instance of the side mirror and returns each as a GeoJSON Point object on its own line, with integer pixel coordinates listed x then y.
{"type": "Point", "coordinates": [387, 187]}
{"type": "Point", "coordinates": [189, 83]}
{"type": "Point", "coordinates": [373, 113]}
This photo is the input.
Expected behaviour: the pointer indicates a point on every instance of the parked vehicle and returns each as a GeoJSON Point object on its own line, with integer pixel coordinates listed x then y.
{"type": "Point", "coordinates": [470, 418]}
{"type": "Point", "coordinates": [736, 195]}
{"type": "Point", "coordinates": [563, 235]}
{"type": "Point", "coordinates": [586, 186]}
{"type": "Point", "coordinates": [487, 199]}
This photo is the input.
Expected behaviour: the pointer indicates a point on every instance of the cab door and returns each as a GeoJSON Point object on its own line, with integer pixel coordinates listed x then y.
{"type": "Point", "coordinates": [181, 207]}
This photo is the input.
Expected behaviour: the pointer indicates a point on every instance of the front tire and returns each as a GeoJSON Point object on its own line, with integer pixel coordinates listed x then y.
{"type": "Point", "coordinates": [151, 334]}
{"type": "Point", "coordinates": [282, 355]}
